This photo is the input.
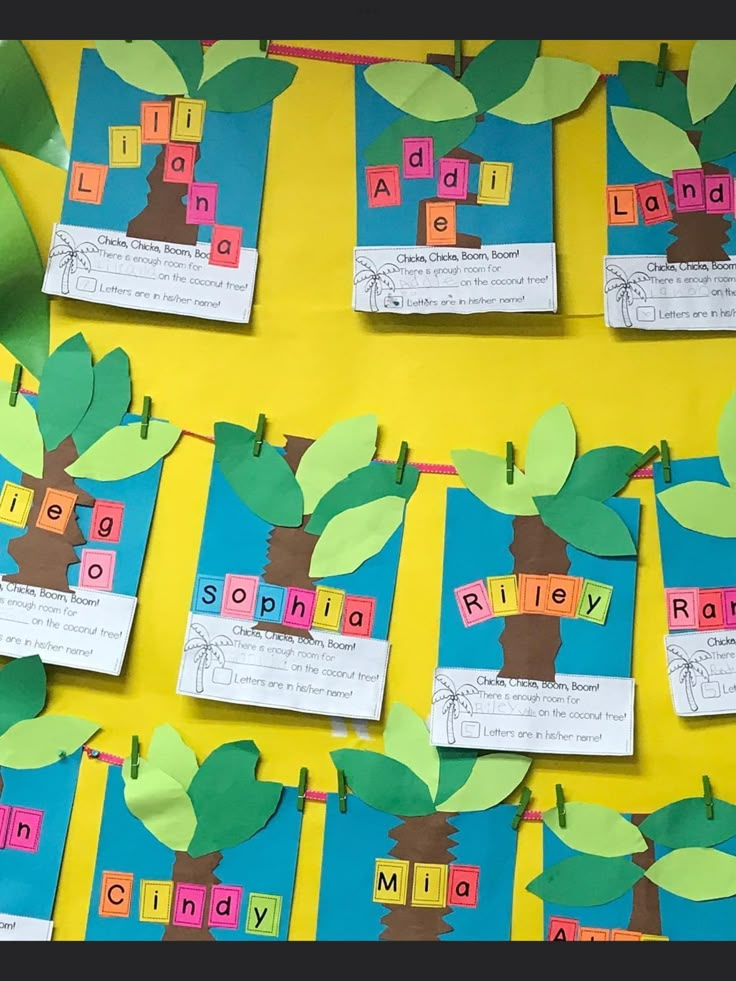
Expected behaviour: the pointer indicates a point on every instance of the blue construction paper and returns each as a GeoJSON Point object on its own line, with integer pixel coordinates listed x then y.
{"type": "Point", "coordinates": [526, 218]}
{"type": "Point", "coordinates": [28, 880]}
{"type": "Point", "coordinates": [682, 919]}
{"type": "Point", "coordinates": [235, 540]}
{"type": "Point", "coordinates": [233, 155]}
{"type": "Point", "coordinates": [266, 863]}
{"type": "Point", "coordinates": [354, 840]}
{"type": "Point", "coordinates": [138, 493]}
{"type": "Point", "coordinates": [477, 540]}
{"type": "Point", "coordinates": [690, 558]}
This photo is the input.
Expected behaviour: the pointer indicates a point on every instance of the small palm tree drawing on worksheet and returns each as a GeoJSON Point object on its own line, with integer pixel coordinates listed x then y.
{"type": "Point", "coordinates": [688, 669]}
{"type": "Point", "coordinates": [627, 289]}
{"type": "Point", "coordinates": [71, 256]}
{"type": "Point", "coordinates": [375, 278]}
{"type": "Point", "coordinates": [454, 699]}
{"type": "Point", "coordinates": [206, 651]}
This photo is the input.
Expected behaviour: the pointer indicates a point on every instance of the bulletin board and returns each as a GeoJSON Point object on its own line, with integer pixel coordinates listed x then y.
{"type": "Point", "coordinates": [306, 359]}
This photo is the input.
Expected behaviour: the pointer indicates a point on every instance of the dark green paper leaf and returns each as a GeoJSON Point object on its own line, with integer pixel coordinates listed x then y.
{"type": "Point", "coordinates": [455, 768]}
{"type": "Point", "coordinates": [586, 880]}
{"type": "Point", "coordinates": [685, 824]}
{"type": "Point", "coordinates": [264, 483]}
{"type": "Point", "coordinates": [388, 148]}
{"type": "Point", "coordinates": [22, 690]}
{"type": "Point", "coordinates": [588, 525]}
{"type": "Point", "coordinates": [361, 487]}
{"type": "Point", "coordinates": [383, 782]}
{"type": "Point", "coordinates": [669, 100]}
{"type": "Point", "coordinates": [601, 473]}
{"type": "Point", "coordinates": [247, 84]}
{"type": "Point", "coordinates": [110, 399]}
{"type": "Point", "coordinates": [719, 131]}
{"type": "Point", "coordinates": [499, 70]}
{"type": "Point", "coordinates": [65, 391]}
{"type": "Point", "coordinates": [188, 58]}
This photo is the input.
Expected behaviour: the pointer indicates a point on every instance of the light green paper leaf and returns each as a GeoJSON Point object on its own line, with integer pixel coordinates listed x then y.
{"type": "Point", "coordinates": [33, 743]}
{"type": "Point", "coordinates": [695, 873]}
{"type": "Point", "coordinates": [586, 880]}
{"type": "Point", "coordinates": [383, 782]}
{"type": "Point", "coordinates": [354, 536]}
{"type": "Point", "coordinates": [655, 142]}
{"type": "Point", "coordinates": [703, 506]}
{"type": "Point", "coordinates": [555, 87]}
{"type": "Point", "coordinates": [65, 391]}
{"type": "Point", "coordinates": [188, 58]}
{"type": "Point", "coordinates": [28, 122]}
{"type": "Point", "coordinates": [727, 440]}
{"type": "Point", "coordinates": [499, 70]}
{"type": "Point", "coordinates": [169, 752]}
{"type": "Point", "coordinates": [121, 452]}
{"type": "Point", "coordinates": [143, 64]}
{"type": "Point", "coordinates": [110, 399]}
{"type": "Point", "coordinates": [344, 447]}
{"type": "Point", "coordinates": [424, 91]}
{"type": "Point", "coordinates": [264, 483]}
{"type": "Point", "coordinates": [223, 53]}
{"type": "Point", "coordinates": [388, 146]}
{"type": "Point", "coordinates": [485, 476]}
{"type": "Point", "coordinates": [161, 804]}
{"type": "Point", "coordinates": [710, 77]}
{"type": "Point", "coordinates": [602, 472]}
{"type": "Point", "coordinates": [20, 438]}
{"type": "Point", "coordinates": [595, 830]}
{"type": "Point", "coordinates": [22, 690]}
{"type": "Point", "coordinates": [550, 450]}
{"type": "Point", "coordinates": [360, 487]}
{"type": "Point", "coordinates": [589, 525]}
{"type": "Point", "coordinates": [456, 766]}
{"type": "Point", "coordinates": [685, 823]}
{"type": "Point", "coordinates": [246, 84]}
{"type": "Point", "coordinates": [406, 739]}
{"type": "Point", "coordinates": [491, 780]}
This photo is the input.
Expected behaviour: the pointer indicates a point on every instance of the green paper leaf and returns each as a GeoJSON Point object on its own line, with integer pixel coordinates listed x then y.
{"type": "Point", "coordinates": [684, 823]}
{"type": "Point", "coordinates": [65, 391]}
{"type": "Point", "coordinates": [230, 803]}
{"type": "Point", "coordinates": [264, 483]}
{"type": "Point", "coordinates": [406, 739]}
{"type": "Point", "coordinates": [727, 440]}
{"type": "Point", "coordinates": [20, 437]}
{"type": "Point", "coordinates": [499, 71]}
{"type": "Point", "coordinates": [161, 804]}
{"type": "Point", "coordinates": [596, 830]}
{"type": "Point", "coordinates": [33, 743]}
{"type": "Point", "coordinates": [423, 91]}
{"type": "Point", "coordinates": [695, 873]}
{"type": "Point", "coordinates": [144, 65]}
{"type": "Point", "coordinates": [586, 880]}
{"type": "Point", "coordinates": [22, 690]}
{"type": "Point", "coordinates": [601, 473]}
{"type": "Point", "coordinates": [718, 138]}
{"type": "Point", "coordinates": [586, 524]}
{"type": "Point", "coordinates": [711, 76]}
{"type": "Point", "coordinates": [110, 399]}
{"type": "Point", "coordinates": [668, 100]}
{"type": "Point", "coordinates": [491, 780]}
{"type": "Point", "coordinates": [550, 450]}
{"type": "Point", "coordinates": [344, 447]}
{"type": "Point", "coordinates": [24, 309]}
{"type": "Point", "coordinates": [456, 766]}
{"type": "Point", "coordinates": [28, 122]}
{"type": "Point", "coordinates": [354, 536]}
{"type": "Point", "coordinates": [702, 506]}
{"type": "Point", "coordinates": [653, 141]}
{"type": "Point", "coordinates": [383, 782]}
{"type": "Point", "coordinates": [188, 58]}
{"type": "Point", "coordinates": [122, 452]}
{"type": "Point", "coordinates": [361, 487]}
{"type": "Point", "coordinates": [223, 53]}
{"type": "Point", "coordinates": [246, 84]}
{"type": "Point", "coordinates": [388, 147]}
{"type": "Point", "coordinates": [485, 476]}
{"type": "Point", "coordinates": [169, 752]}
{"type": "Point", "coordinates": [555, 87]}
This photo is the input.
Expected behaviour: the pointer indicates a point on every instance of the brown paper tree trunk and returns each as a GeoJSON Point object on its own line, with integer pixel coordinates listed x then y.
{"type": "Point", "coordinates": [531, 641]}
{"type": "Point", "coordinates": [646, 916]}
{"type": "Point", "coordinates": [425, 838]}
{"type": "Point", "coordinates": [163, 218]}
{"type": "Point", "coordinates": [201, 872]}
{"type": "Point", "coordinates": [43, 556]}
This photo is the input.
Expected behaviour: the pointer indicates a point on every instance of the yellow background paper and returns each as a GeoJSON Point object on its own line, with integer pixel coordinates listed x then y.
{"type": "Point", "coordinates": [306, 360]}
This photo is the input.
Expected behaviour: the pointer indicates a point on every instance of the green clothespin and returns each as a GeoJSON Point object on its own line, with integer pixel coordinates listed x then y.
{"type": "Point", "coordinates": [259, 435]}
{"type": "Point", "coordinates": [301, 794]}
{"type": "Point", "coordinates": [661, 65]}
{"type": "Point", "coordinates": [664, 452]}
{"type": "Point", "coordinates": [146, 416]}
{"type": "Point", "coordinates": [643, 460]}
{"type": "Point", "coordinates": [401, 462]}
{"type": "Point", "coordinates": [708, 794]}
{"type": "Point", "coordinates": [561, 817]}
{"type": "Point", "coordinates": [15, 384]}
{"type": "Point", "coordinates": [263, 45]}
{"type": "Point", "coordinates": [458, 59]}
{"type": "Point", "coordinates": [509, 463]}
{"type": "Point", "coordinates": [342, 791]}
{"type": "Point", "coordinates": [134, 758]}
{"type": "Point", "coordinates": [526, 795]}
